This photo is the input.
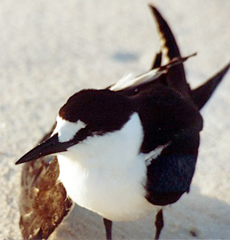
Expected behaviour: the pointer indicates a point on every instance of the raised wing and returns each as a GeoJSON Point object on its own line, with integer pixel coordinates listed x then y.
{"type": "Point", "coordinates": [130, 85]}
{"type": "Point", "coordinates": [169, 48]}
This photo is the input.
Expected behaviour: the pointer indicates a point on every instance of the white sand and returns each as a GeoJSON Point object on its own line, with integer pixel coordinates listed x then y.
{"type": "Point", "coordinates": [51, 49]}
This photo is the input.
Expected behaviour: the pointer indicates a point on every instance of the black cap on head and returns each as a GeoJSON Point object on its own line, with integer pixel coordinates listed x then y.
{"type": "Point", "coordinates": [100, 110]}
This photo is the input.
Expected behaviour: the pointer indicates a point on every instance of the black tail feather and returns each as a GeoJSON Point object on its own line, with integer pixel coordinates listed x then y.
{"type": "Point", "coordinates": [202, 94]}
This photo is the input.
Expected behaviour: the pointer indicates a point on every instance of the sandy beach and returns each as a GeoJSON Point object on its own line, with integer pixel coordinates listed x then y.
{"type": "Point", "coordinates": [52, 49]}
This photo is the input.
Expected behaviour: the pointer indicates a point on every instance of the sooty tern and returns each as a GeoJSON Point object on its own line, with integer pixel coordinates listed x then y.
{"type": "Point", "coordinates": [128, 149]}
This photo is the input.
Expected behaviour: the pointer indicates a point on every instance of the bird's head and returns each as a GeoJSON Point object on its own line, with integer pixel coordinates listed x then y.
{"type": "Point", "coordinates": [85, 114]}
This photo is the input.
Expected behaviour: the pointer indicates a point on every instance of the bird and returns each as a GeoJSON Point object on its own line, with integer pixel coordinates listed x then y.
{"type": "Point", "coordinates": [131, 148]}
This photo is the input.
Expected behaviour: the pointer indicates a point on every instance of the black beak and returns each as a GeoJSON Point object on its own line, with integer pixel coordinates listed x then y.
{"type": "Point", "coordinates": [50, 146]}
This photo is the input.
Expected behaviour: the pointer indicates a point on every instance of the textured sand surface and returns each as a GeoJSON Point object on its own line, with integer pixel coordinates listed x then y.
{"type": "Point", "coordinates": [51, 49]}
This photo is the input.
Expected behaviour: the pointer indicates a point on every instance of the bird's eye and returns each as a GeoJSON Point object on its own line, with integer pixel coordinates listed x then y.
{"type": "Point", "coordinates": [81, 135]}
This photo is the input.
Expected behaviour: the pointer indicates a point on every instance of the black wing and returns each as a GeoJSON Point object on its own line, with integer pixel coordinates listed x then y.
{"type": "Point", "coordinates": [176, 76]}
{"type": "Point", "coordinates": [169, 119]}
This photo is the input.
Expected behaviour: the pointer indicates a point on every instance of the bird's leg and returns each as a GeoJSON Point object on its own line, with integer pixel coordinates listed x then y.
{"type": "Point", "coordinates": [159, 223]}
{"type": "Point", "coordinates": [108, 228]}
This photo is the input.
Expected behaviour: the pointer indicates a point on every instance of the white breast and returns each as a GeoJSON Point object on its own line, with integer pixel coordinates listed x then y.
{"type": "Point", "coordinates": [107, 175]}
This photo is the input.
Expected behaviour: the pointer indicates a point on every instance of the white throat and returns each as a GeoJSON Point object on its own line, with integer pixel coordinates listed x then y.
{"type": "Point", "coordinates": [106, 174]}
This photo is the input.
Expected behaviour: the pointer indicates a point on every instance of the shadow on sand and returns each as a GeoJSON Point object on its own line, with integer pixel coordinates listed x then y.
{"type": "Point", "coordinates": [195, 216]}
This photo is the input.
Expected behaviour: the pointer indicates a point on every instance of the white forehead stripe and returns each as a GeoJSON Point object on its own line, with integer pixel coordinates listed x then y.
{"type": "Point", "coordinates": [66, 130]}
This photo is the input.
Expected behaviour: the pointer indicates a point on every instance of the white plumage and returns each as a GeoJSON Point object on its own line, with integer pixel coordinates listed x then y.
{"type": "Point", "coordinates": [104, 180]}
